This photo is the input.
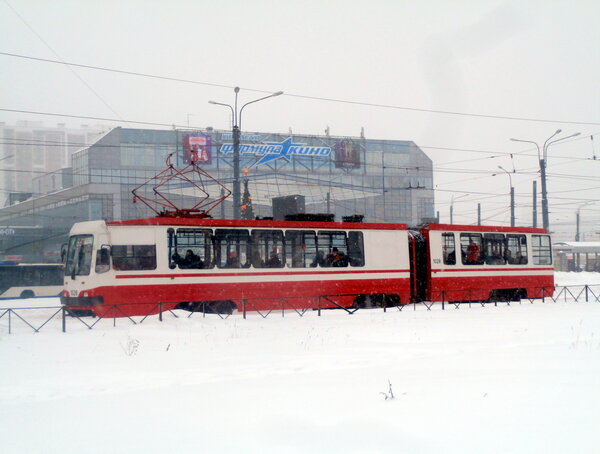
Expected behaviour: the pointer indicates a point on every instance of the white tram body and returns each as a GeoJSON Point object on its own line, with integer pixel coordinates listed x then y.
{"type": "Point", "coordinates": [139, 267]}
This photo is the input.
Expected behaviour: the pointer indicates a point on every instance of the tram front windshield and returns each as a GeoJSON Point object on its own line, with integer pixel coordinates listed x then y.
{"type": "Point", "coordinates": [79, 255]}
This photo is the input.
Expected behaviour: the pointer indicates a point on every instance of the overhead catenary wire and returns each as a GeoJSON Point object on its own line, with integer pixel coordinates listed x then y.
{"type": "Point", "coordinates": [59, 144]}
{"type": "Point", "coordinates": [483, 171]}
{"type": "Point", "coordinates": [88, 117]}
{"type": "Point", "coordinates": [407, 168]}
{"type": "Point", "coordinates": [70, 67]}
{"type": "Point", "coordinates": [303, 96]}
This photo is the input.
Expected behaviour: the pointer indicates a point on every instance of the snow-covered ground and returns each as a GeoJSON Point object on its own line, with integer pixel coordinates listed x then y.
{"type": "Point", "coordinates": [512, 378]}
{"type": "Point", "coordinates": [576, 278]}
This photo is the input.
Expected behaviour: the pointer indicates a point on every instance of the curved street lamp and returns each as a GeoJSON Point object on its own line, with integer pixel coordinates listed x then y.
{"type": "Point", "coordinates": [543, 156]}
{"type": "Point", "coordinates": [236, 121]}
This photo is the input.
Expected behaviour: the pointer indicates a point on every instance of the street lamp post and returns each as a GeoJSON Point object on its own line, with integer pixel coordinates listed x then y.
{"type": "Point", "coordinates": [543, 160]}
{"type": "Point", "coordinates": [512, 197]}
{"type": "Point", "coordinates": [236, 120]}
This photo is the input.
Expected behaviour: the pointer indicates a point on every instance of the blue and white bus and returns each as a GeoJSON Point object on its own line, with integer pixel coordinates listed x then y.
{"type": "Point", "coordinates": [28, 280]}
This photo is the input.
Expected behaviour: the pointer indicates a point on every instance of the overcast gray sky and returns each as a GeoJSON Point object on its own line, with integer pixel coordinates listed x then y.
{"type": "Point", "coordinates": [528, 60]}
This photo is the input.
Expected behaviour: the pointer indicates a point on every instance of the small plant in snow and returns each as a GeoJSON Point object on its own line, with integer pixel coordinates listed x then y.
{"type": "Point", "coordinates": [389, 394]}
{"type": "Point", "coordinates": [588, 343]}
{"type": "Point", "coordinates": [575, 342]}
{"type": "Point", "coordinates": [306, 343]}
{"type": "Point", "coordinates": [131, 347]}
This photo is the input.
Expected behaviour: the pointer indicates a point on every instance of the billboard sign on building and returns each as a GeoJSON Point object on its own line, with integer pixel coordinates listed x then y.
{"type": "Point", "coordinates": [347, 155]}
{"type": "Point", "coordinates": [270, 151]}
{"type": "Point", "coordinates": [196, 148]}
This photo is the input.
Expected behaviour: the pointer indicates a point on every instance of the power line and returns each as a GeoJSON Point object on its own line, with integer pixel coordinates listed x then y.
{"type": "Point", "coordinates": [61, 60]}
{"type": "Point", "coordinates": [494, 154]}
{"type": "Point", "coordinates": [88, 117]}
{"type": "Point", "coordinates": [314, 98]}
{"type": "Point", "coordinates": [130, 73]}
{"type": "Point", "coordinates": [46, 143]}
{"type": "Point", "coordinates": [474, 171]}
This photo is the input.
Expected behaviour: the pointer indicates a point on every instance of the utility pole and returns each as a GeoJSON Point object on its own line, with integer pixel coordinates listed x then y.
{"type": "Point", "coordinates": [545, 216]}
{"type": "Point", "coordinates": [512, 197]}
{"type": "Point", "coordinates": [479, 214]}
{"type": "Point", "coordinates": [383, 182]}
{"type": "Point", "coordinates": [452, 206]}
{"type": "Point", "coordinates": [236, 169]}
{"type": "Point", "coordinates": [512, 206]}
{"type": "Point", "coordinates": [534, 203]}
{"type": "Point", "coordinates": [578, 257]}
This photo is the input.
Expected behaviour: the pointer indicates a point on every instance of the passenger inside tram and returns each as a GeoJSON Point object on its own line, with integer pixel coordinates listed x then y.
{"type": "Point", "coordinates": [274, 261]}
{"type": "Point", "coordinates": [232, 260]}
{"type": "Point", "coordinates": [319, 259]}
{"type": "Point", "coordinates": [190, 260]}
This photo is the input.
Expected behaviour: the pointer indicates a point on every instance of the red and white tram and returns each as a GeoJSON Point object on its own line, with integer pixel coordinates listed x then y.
{"type": "Point", "coordinates": [140, 267]}
{"type": "Point", "coordinates": [477, 263]}
{"type": "Point", "coordinates": [204, 263]}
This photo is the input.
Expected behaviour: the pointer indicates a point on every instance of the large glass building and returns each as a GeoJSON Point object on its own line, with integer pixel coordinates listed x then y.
{"type": "Point", "coordinates": [383, 180]}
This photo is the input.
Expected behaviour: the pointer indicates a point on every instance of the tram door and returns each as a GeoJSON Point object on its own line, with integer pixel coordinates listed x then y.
{"type": "Point", "coordinates": [418, 266]}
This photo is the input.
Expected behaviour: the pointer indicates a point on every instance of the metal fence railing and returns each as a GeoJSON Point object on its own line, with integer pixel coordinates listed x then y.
{"type": "Point", "coordinates": [34, 319]}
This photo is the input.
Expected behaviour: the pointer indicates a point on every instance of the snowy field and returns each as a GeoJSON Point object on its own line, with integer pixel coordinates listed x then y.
{"type": "Point", "coordinates": [513, 378]}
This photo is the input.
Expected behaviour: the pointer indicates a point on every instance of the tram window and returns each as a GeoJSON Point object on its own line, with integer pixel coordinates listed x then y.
{"type": "Point", "coordinates": [471, 248]}
{"type": "Point", "coordinates": [356, 250]}
{"type": "Point", "coordinates": [300, 248]}
{"type": "Point", "coordinates": [449, 248]}
{"type": "Point", "coordinates": [267, 249]}
{"type": "Point", "coordinates": [79, 255]}
{"type": "Point", "coordinates": [516, 250]}
{"type": "Point", "coordinates": [134, 257]}
{"type": "Point", "coordinates": [493, 248]}
{"type": "Point", "coordinates": [333, 247]}
{"type": "Point", "coordinates": [232, 248]}
{"type": "Point", "coordinates": [102, 260]}
{"type": "Point", "coordinates": [191, 249]}
{"type": "Point", "coordinates": [541, 250]}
